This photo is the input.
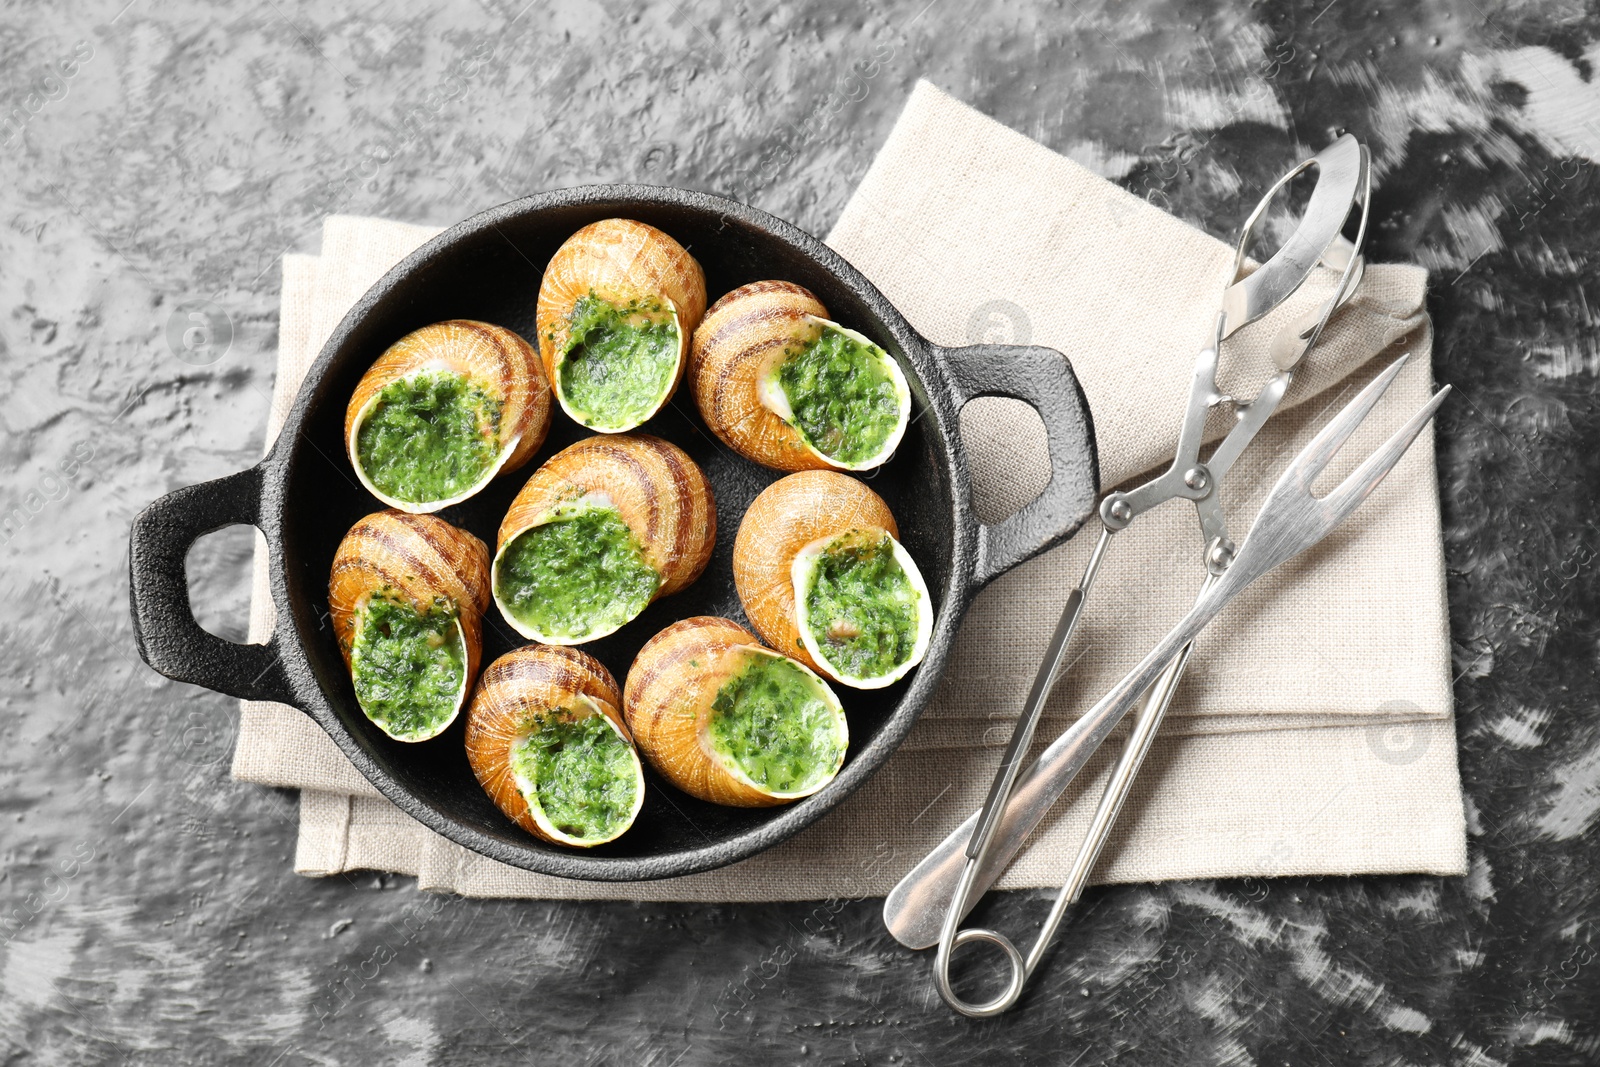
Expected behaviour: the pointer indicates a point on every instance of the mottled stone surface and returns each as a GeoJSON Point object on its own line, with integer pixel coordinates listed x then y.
{"type": "Point", "coordinates": [173, 150]}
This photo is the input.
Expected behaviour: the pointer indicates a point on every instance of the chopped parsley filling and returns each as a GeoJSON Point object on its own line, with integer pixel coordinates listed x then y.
{"type": "Point", "coordinates": [861, 607]}
{"type": "Point", "coordinates": [775, 722]}
{"type": "Point", "coordinates": [845, 401]}
{"type": "Point", "coordinates": [580, 772]}
{"type": "Point", "coordinates": [430, 436]}
{"type": "Point", "coordinates": [581, 574]}
{"type": "Point", "coordinates": [408, 666]}
{"type": "Point", "coordinates": [619, 361]}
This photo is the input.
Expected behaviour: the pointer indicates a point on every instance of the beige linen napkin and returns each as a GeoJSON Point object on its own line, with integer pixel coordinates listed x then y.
{"type": "Point", "coordinates": [1314, 731]}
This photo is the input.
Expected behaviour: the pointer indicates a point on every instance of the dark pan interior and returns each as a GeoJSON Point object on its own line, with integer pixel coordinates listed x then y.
{"type": "Point", "coordinates": [491, 271]}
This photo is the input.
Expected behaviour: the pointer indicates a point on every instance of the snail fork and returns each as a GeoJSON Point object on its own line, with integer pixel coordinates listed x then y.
{"type": "Point", "coordinates": [1291, 519]}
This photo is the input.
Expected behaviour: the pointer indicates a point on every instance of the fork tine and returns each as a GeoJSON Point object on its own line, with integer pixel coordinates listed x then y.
{"type": "Point", "coordinates": [1315, 456]}
{"type": "Point", "coordinates": [1291, 520]}
{"type": "Point", "coordinates": [1365, 478]}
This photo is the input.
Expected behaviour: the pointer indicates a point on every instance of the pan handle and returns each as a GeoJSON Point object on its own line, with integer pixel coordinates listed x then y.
{"type": "Point", "coordinates": [169, 638]}
{"type": "Point", "coordinates": [1043, 379]}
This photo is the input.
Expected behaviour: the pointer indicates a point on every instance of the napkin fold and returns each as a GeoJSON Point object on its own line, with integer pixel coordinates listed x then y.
{"type": "Point", "coordinates": [1314, 730]}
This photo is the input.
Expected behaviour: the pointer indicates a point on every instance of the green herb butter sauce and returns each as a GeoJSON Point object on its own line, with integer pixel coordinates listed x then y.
{"type": "Point", "coordinates": [775, 721]}
{"type": "Point", "coordinates": [582, 574]}
{"type": "Point", "coordinates": [430, 436]}
{"type": "Point", "coordinates": [845, 401]}
{"type": "Point", "coordinates": [861, 607]}
{"type": "Point", "coordinates": [579, 772]}
{"type": "Point", "coordinates": [619, 361]}
{"type": "Point", "coordinates": [408, 666]}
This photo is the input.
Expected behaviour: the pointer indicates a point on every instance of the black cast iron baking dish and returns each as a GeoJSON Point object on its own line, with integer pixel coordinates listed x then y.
{"type": "Point", "coordinates": [304, 496]}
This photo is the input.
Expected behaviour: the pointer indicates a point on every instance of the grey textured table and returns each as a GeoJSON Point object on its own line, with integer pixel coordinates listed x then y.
{"type": "Point", "coordinates": [160, 156]}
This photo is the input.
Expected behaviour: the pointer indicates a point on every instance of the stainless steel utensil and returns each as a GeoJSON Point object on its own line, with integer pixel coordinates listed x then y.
{"type": "Point", "coordinates": [1291, 521]}
{"type": "Point", "coordinates": [1012, 809]}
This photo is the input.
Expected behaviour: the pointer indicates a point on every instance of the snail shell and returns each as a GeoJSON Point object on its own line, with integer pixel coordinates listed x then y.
{"type": "Point", "coordinates": [491, 358]}
{"type": "Point", "coordinates": [657, 491]}
{"type": "Point", "coordinates": [739, 346]}
{"type": "Point", "coordinates": [789, 524]}
{"type": "Point", "coordinates": [668, 701]}
{"type": "Point", "coordinates": [526, 690]}
{"type": "Point", "coordinates": [627, 264]}
{"type": "Point", "coordinates": [419, 561]}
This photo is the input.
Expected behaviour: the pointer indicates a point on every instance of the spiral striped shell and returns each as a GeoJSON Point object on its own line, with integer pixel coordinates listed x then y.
{"type": "Point", "coordinates": [417, 558]}
{"type": "Point", "coordinates": [739, 337]}
{"type": "Point", "coordinates": [495, 359]}
{"type": "Point", "coordinates": [790, 514]}
{"type": "Point", "coordinates": [618, 260]}
{"type": "Point", "coordinates": [656, 489]}
{"type": "Point", "coordinates": [518, 687]}
{"type": "Point", "coordinates": [744, 339]}
{"type": "Point", "coordinates": [668, 699]}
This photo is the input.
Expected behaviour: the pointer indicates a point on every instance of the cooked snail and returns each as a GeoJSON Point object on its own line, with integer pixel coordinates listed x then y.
{"type": "Point", "coordinates": [443, 411]}
{"type": "Point", "coordinates": [823, 578]}
{"type": "Point", "coordinates": [787, 388]}
{"type": "Point", "coordinates": [616, 308]}
{"type": "Point", "coordinates": [604, 527]}
{"type": "Point", "coordinates": [728, 720]}
{"type": "Point", "coordinates": [548, 744]}
{"type": "Point", "coordinates": [407, 595]}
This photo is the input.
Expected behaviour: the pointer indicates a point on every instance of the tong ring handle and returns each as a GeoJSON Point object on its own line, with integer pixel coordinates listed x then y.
{"type": "Point", "coordinates": [1013, 990]}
